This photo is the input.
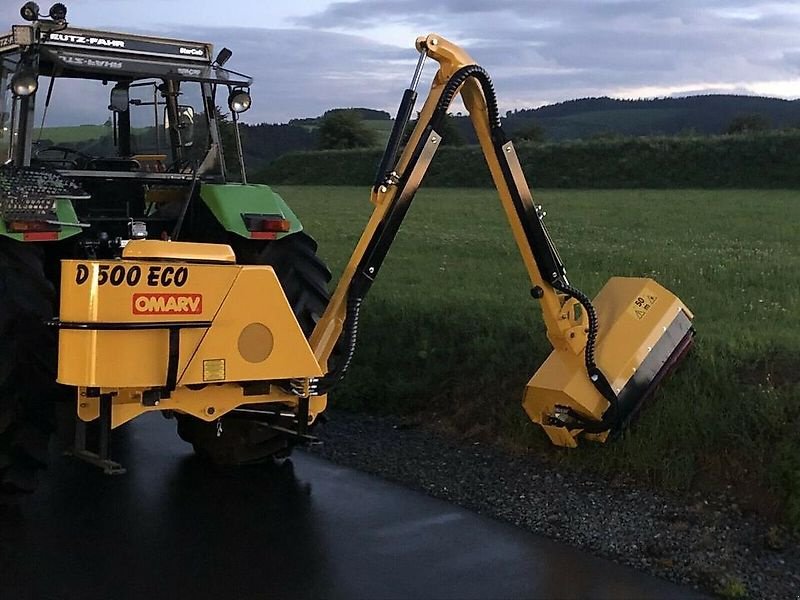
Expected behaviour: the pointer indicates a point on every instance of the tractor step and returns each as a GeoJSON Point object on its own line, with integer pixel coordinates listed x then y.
{"type": "Point", "coordinates": [100, 458]}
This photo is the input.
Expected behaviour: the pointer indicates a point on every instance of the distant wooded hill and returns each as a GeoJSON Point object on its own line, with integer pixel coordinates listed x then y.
{"type": "Point", "coordinates": [586, 118]}
{"type": "Point", "coordinates": [589, 117]}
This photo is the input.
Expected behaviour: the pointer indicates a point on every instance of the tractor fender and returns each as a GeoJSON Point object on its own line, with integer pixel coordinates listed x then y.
{"type": "Point", "coordinates": [65, 213]}
{"type": "Point", "coordinates": [228, 202]}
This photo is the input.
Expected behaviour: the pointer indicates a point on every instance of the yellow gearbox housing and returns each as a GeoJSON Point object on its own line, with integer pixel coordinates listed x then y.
{"type": "Point", "coordinates": [178, 326]}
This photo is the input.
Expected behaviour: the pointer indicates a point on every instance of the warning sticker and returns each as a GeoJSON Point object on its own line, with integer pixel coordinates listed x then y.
{"type": "Point", "coordinates": [214, 370]}
{"type": "Point", "coordinates": [642, 305]}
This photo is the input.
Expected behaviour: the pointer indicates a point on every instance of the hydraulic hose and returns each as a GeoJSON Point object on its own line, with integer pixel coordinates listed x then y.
{"type": "Point", "coordinates": [348, 338]}
{"type": "Point", "coordinates": [596, 376]}
{"type": "Point", "coordinates": [456, 81]}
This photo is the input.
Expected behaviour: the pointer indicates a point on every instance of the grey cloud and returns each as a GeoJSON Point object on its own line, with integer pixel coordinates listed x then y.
{"type": "Point", "coordinates": [299, 72]}
{"type": "Point", "coordinates": [366, 12]}
{"type": "Point", "coordinates": [373, 11]}
{"type": "Point", "coordinates": [537, 50]}
{"type": "Point", "coordinates": [600, 46]}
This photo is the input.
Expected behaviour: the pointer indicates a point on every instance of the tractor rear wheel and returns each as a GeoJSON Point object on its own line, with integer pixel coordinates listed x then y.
{"type": "Point", "coordinates": [28, 350]}
{"type": "Point", "coordinates": [304, 278]}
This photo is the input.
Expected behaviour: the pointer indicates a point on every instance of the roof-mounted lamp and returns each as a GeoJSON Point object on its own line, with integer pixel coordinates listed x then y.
{"type": "Point", "coordinates": [58, 12]}
{"type": "Point", "coordinates": [24, 82]}
{"type": "Point", "coordinates": [239, 100]}
{"type": "Point", "coordinates": [29, 11]}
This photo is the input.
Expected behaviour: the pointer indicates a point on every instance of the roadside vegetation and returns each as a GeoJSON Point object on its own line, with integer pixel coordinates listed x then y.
{"type": "Point", "coordinates": [768, 159]}
{"type": "Point", "coordinates": [451, 335]}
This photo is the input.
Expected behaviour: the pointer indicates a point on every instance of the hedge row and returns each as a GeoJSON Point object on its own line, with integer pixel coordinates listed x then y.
{"type": "Point", "coordinates": [770, 160]}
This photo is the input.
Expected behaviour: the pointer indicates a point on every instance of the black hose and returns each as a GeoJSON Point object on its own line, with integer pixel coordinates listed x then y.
{"type": "Point", "coordinates": [349, 337]}
{"type": "Point", "coordinates": [456, 81]}
{"type": "Point", "coordinates": [176, 232]}
{"type": "Point", "coordinates": [596, 376]}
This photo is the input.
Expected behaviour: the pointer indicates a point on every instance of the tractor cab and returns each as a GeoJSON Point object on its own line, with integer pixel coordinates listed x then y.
{"type": "Point", "coordinates": [133, 120]}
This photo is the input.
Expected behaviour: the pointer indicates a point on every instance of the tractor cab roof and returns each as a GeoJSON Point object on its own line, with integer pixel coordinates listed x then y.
{"type": "Point", "coordinates": [89, 54]}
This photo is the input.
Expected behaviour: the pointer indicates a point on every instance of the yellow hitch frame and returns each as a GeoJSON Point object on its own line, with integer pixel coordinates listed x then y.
{"type": "Point", "coordinates": [178, 326]}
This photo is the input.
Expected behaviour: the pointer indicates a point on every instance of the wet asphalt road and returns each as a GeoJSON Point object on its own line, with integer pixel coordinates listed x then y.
{"type": "Point", "coordinates": [173, 527]}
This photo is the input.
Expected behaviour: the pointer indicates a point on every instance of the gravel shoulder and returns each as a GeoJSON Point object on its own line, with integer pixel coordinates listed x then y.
{"type": "Point", "coordinates": [705, 542]}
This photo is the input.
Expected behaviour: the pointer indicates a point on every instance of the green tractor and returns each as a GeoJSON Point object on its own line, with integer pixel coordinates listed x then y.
{"type": "Point", "coordinates": [147, 160]}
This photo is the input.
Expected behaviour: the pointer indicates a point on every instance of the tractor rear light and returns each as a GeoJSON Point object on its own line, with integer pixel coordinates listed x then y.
{"type": "Point", "coordinates": [15, 226]}
{"type": "Point", "coordinates": [40, 236]}
{"type": "Point", "coordinates": [266, 223]}
{"type": "Point", "coordinates": [279, 226]}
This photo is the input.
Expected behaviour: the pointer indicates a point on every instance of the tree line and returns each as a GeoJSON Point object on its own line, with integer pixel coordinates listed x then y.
{"type": "Point", "coordinates": [583, 119]}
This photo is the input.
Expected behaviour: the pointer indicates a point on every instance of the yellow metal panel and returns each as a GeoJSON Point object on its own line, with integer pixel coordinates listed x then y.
{"type": "Point", "coordinates": [112, 358]}
{"type": "Point", "coordinates": [256, 303]}
{"type": "Point", "coordinates": [124, 291]}
{"type": "Point", "coordinates": [208, 403]}
{"type": "Point", "coordinates": [183, 251]}
{"type": "Point", "coordinates": [562, 381]}
{"type": "Point", "coordinates": [133, 292]}
{"type": "Point", "coordinates": [633, 312]}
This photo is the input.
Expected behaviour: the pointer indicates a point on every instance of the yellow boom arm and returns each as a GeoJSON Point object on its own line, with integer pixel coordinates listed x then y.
{"type": "Point", "coordinates": [570, 394]}
{"type": "Point", "coordinates": [563, 327]}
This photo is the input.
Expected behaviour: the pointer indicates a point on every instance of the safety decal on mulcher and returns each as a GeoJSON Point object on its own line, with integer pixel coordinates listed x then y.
{"type": "Point", "coordinates": [642, 304]}
{"type": "Point", "coordinates": [167, 304]}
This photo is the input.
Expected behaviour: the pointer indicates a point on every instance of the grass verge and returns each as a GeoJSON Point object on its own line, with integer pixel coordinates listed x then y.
{"type": "Point", "coordinates": [450, 330]}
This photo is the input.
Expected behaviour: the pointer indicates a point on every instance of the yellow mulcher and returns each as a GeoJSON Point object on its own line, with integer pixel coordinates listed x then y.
{"type": "Point", "coordinates": [181, 327]}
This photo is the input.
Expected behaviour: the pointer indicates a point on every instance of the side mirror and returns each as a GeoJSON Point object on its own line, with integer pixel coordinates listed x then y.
{"type": "Point", "coordinates": [120, 99]}
{"type": "Point", "coordinates": [185, 117]}
{"type": "Point", "coordinates": [185, 124]}
{"type": "Point", "coordinates": [24, 82]}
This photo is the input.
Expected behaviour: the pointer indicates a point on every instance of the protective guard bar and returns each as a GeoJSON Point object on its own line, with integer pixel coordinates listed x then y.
{"type": "Point", "coordinates": [567, 325]}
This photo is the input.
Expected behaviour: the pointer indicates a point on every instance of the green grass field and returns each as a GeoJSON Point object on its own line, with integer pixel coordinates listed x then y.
{"type": "Point", "coordinates": [77, 133]}
{"type": "Point", "coordinates": [451, 334]}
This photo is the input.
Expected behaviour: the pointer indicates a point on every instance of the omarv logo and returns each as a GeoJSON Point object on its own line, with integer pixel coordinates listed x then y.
{"type": "Point", "coordinates": [167, 304]}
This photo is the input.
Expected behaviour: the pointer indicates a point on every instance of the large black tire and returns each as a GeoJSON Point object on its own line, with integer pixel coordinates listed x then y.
{"type": "Point", "coordinates": [28, 355]}
{"type": "Point", "coordinates": [304, 278]}
{"type": "Point", "coordinates": [303, 275]}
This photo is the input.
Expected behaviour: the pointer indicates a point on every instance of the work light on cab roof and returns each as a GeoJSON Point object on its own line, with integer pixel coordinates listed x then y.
{"type": "Point", "coordinates": [30, 12]}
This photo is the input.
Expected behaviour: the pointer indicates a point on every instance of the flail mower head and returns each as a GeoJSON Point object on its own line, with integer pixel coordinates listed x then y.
{"type": "Point", "coordinates": [643, 330]}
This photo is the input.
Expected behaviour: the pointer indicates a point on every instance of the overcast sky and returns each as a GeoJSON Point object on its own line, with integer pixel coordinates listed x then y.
{"type": "Point", "coordinates": [310, 55]}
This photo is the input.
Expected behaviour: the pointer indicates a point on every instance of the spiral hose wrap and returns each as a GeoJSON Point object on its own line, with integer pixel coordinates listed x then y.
{"type": "Point", "coordinates": [348, 340]}
{"type": "Point", "coordinates": [596, 376]}
{"type": "Point", "coordinates": [456, 81]}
